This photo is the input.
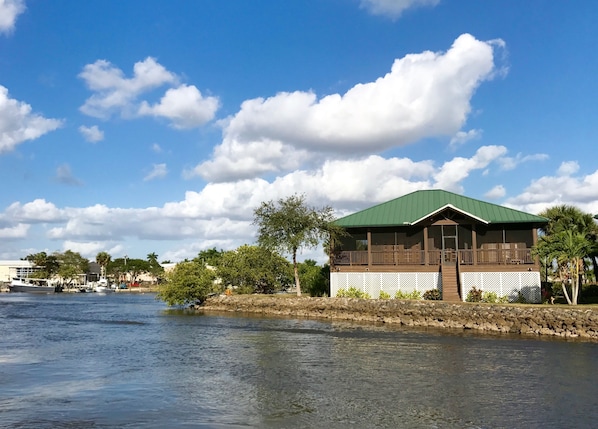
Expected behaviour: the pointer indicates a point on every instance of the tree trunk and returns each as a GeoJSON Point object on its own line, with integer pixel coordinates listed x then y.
{"type": "Point", "coordinates": [296, 271]}
{"type": "Point", "coordinates": [565, 292]}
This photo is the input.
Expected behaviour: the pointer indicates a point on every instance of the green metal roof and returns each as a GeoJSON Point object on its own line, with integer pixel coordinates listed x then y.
{"type": "Point", "coordinates": [412, 208]}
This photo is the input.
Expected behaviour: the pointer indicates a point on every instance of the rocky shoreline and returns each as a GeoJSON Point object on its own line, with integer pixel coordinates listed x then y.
{"type": "Point", "coordinates": [537, 320]}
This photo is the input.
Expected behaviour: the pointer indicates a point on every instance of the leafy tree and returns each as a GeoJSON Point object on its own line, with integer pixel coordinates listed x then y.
{"type": "Point", "coordinates": [72, 266]}
{"type": "Point", "coordinates": [188, 283]}
{"type": "Point", "coordinates": [135, 267]}
{"type": "Point", "coordinates": [314, 279]}
{"type": "Point", "coordinates": [289, 225]}
{"type": "Point", "coordinates": [48, 264]}
{"type": "Point", "coordinates": [254, 269]}
{"type": "Point", "coordinates": [103, 259]}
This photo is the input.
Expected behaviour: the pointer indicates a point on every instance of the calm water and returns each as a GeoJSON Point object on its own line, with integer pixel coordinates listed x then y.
{"type": "Point", "coordinates": [125, 361]}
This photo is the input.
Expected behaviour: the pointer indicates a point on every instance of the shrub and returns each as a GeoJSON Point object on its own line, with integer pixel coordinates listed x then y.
{"type": "Point", "coordinates": [352, 292]}
{"type": "Point", "coordinates": [433, 295]}
{"type": "Point", "coordinates": [408, 295]}
{"type": "Point", "coordinates": [384, 295]}
{"type": "Point", "coordinates": [474, 295]}
{"type": "Point", "coordinates": [520, 298]}
{"type": "Point", "coordinates": [490, 297]}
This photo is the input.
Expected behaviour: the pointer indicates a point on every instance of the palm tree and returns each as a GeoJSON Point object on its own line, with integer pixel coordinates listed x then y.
{"type": "Point", "coordinates": [568, 248]}
{"type": "Point", "coordinates": [103, 259]}
{"type": "Point", "coordinates": [570, 218]}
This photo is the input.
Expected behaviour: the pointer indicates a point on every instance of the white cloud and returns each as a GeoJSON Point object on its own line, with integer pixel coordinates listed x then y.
{"type": "Point", "coordinates": [9, 11]}
{"type": "Point", "coordinates": [158, 171]}
{"type": "Point", "coordinates": [394, 8]}
{"type": "Point", "coordinates": [496, 193]}
{"type": "Point", "coordinates": [221, 214]}
{"type": "Point", "coordinates": [18, 231]}
{"type": "Point", "coordinates": [115, 93]}
{"type": "Point", "coordinates": [509, 163]}
{"type": "Point", "coordinates": [453, 172]}
{"type": "Point", "coordinates": [568, 168]}
{"type": "Point", "coordinates": [18, 124]}
{"type": "Point", "coordinates": [562, 188]}
{"type": "Point", "coordinates": [92, 134]}
{"type": "Point", "coordinates": [464, 136]}
{"type": "Point", "coordinates": [423, 95]}
{"type": "Point", "coordinates": [156, 148]}
{"type": "Point", "coordinates": [184, 106]}
{"type": "Point", "coordinates": [64, 175]}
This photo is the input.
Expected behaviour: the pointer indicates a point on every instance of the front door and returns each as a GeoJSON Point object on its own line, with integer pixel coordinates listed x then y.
{"type": "Point", "coordinates": [449, 243]}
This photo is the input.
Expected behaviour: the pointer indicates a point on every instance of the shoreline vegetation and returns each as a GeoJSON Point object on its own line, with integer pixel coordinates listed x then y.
{"type": "Point", "coordinates": [579, 322]}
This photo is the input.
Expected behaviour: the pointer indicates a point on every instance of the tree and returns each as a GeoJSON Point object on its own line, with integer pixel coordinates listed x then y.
{"type": "Point", "coordinates": [155, 269]}
{"type": "Point", "coordinates": [72, 266]}
{"type": "Point", "coordinates": [103, 259]}
{"type": "Point", "coordinates": [314, 279]}
{"type": "Point", "coordinates": [210, 256]}
{"type": "Point", "coordinates": [570, 218]}
{"type": "Point", "coordinates": [568, 248]}
{"type": "Point", "coordinates": [48, 264]}
{"type": "Point", "coordinates": [289, 225]}
{"type": "Point", "coordinates": [188, 283]}
{"type": "Point", "coordinates": [254, 269]}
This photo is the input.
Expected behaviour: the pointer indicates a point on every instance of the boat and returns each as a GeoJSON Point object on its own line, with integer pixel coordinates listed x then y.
{"type": "Point", "coordinates": [19, 284]}
{"type": "Point", "coordinates": [103, 286]}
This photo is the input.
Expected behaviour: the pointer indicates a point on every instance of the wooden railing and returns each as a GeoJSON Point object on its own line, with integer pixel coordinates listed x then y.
{"type": "Point", "coordinates": [435, 257]}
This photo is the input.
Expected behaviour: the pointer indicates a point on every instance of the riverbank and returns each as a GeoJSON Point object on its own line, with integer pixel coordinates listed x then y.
{"type": "Point", "coordinates": [545, 320]}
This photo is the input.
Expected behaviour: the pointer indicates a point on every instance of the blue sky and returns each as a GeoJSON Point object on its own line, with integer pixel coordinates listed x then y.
{"type": "Point", "coordinates": [137, 127]}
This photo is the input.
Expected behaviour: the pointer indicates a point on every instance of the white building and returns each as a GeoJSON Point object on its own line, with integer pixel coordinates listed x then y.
{"type": "Point", "coordinates": [11, 269]}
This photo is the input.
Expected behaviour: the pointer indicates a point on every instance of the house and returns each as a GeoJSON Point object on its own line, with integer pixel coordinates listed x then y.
{"type": "Point", "coordinates": [435, 239]}
{"type": "Point", "coordinates": [10, 269]}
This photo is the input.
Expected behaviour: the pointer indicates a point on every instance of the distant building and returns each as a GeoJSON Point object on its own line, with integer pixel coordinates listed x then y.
{"type": "Point", "coordinates": [18, 268]}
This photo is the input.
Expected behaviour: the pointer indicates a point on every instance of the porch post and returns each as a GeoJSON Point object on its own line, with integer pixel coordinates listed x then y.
{"type": "Point", "coordinates": [426, 255]}
{"type": "Point", "coordinates": [534, 243]}
{"type": "Point", "coordinates": [474, 244]}
{"type": "Point", "coordinates": [369, 235]}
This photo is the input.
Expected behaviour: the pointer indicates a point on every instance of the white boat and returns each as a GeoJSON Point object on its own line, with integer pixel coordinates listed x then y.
{"type": "Point", "coordinates": [103, 286]}
{"type": "Point", "coordinates": [28, 285]}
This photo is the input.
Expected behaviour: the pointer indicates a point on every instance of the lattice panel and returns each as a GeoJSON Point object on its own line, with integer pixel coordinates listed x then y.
{"type": "Point", "coordinates": [504, 284]}
{"type": "Point", "coordinates": [373, 283]}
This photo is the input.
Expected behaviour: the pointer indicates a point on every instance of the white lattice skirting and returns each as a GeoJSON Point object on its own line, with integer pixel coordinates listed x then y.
{"type": "Point", "coordinates": [503, 284]}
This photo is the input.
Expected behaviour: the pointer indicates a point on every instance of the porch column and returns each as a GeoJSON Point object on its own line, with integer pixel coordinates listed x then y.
{"type": "Point", "coordinates": [534, 243]}
{"type": "Point", "coordinates": [474, 244]}
{"type": "Point", "coordinates": [369, 235]}
{"type": "Point", "coordinates": [426, 255]}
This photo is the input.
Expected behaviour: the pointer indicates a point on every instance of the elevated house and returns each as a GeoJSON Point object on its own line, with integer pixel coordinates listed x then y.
{"type": "Point", "coordinates": [435, 239]}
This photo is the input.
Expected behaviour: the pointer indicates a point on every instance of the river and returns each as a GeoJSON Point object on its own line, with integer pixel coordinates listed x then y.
{"type": "Point", "coordinates": [126, 361]}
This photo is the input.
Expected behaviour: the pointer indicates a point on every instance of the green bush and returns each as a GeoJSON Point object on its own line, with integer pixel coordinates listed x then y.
{"type": "Point", "coordinates": [384, 295]}
{"type": "Point", "coordinates": [474, 295]}
{"type": "Point", "coordinates": [408, 295]}
{"type": "Point", "coordinates": [490, 297]}
{"type": "Point", "coordinates": [352, 292]}
{"type": "Point", "coordinates": [433, 295]}
{"type": "Point", "coordinates": [520, 298]}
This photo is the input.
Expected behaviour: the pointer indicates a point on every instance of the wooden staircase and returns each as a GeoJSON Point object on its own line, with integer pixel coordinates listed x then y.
{"type": "Point", "coordinates": [450, 282]}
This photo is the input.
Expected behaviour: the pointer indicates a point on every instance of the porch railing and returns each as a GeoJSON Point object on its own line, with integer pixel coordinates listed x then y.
{"type": "Point", "coordinates": [418, 257]}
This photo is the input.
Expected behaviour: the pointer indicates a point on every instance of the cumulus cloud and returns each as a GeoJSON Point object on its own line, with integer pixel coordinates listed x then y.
{"type": "Point", "coordinates": [184, 106]}
{"type": "Point", "coordinates": [92, 134]}
{"type": "Point", "coordinates": [18, 124]}
{"type": "Point", "coordinates": [9, 11]}
{"type": "Point", "coordinates": [65, 176]}
{"type": "Point", "coordinates": [496, 193]}
{"type": "Point", "coordinates": [222, 213]}
{"type": "Point", "coordinates": [562, 188]}
{"type": "Point", "coordinates": [452, 173]}
{"type": "Point", "coordinates": [463, 137]}
{"type": "Point", "coordinates": [394, 8]}
{"type": "Point", "coordinates": [158, 171]}
{"type": "Point", "coordinates": [424, 95]}
{"type": "Point", "coordinates": [510, 163]}
{"type": "Point", "coordinates": [14, 232]}
{"type": "Point", "coordinates": [114, 93]}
